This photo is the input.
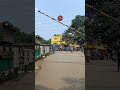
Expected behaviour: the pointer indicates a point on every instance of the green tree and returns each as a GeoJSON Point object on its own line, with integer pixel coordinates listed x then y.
{"type": "Point", "coordinates": [24, 38]}
{"type": "Point", "coordinates": [100, 27]}
{"type": "Point", "coordinates": [73, 36]}
{"type": "Point", "coordinates": [42, 40]}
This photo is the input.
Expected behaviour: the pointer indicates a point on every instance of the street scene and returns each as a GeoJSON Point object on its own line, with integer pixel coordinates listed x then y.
{"type": "Point", "coordinates": [72, 45]}
{"type": "Point", "coordinates": [102, 50]}
{"type": "Point", "coordinates": [59, 51]}
{"type": "Point", "coordinates": [60, 71]}
{"type": "Point", "coordinates": [17, 45]}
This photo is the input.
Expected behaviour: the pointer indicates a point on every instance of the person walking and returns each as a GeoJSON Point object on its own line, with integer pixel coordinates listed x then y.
{"type": "Point", "coordinates": [53, 48]}
{"type": "Point", "coordinates": [60, 48]}
{"type": "Point", "coordinates": [85, 51]}
{"type": "Point", "coordinates": [114, 56]}
{"type": "Point", "coordinates": [95, 54]}
{"type": "Point", "coordinates": [88, 56]}
{"type": "Point", "coordinates": [71, 49]}
{"type": "Point", "coordinates": [118, 53]}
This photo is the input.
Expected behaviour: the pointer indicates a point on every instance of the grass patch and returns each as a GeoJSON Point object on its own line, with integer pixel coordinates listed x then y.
{"type": "Point", "coordinates": [47, 54]}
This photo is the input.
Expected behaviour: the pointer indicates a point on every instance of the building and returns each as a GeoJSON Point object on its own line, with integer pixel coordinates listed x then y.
{"type": "Point", "coordinates": [7, 32]}
{"type": "Point", "coordinates": [37, 48]}
{"type": "Point", "coordinates": [41, 49]}
{"type": "Point", "coordinates": [57, 39]}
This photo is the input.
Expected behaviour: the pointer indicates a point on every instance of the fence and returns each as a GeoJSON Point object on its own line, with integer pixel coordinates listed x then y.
{"type": "Point", "coordinates": [22, 59]}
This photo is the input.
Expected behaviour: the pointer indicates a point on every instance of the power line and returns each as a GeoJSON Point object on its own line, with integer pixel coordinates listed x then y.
{"type": "Point", "coordinates": [46, 21]}
{"type": "Point", "coordinates": [58, 21]}
{"type": "Point", "coordinates": [69, 26]}
{"type": "Point", "coordinates": [49, 26]}
{"type": "Point", "coordinates": [79, 31]}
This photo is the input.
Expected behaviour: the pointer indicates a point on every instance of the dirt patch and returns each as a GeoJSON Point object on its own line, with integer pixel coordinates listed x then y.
{"type": "Point", "coordinates": [37, 66]}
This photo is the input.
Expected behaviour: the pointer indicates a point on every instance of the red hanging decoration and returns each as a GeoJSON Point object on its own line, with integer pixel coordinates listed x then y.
{"type": "Point", "coordinates": [60, 18]}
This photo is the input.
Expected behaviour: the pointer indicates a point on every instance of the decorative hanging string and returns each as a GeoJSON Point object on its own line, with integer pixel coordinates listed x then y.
{"type": "Point", "coordinates": [79, 31]}
{"type": "Point", "coordinates": [74, 28]}
{"type": "Point", "coordinates": [59, 22]}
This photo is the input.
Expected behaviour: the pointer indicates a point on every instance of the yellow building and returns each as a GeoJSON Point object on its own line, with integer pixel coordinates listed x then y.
{"type": "Point", "coordinates": [57, 39]}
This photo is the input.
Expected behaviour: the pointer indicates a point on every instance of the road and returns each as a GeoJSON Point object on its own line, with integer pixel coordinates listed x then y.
{"type": "Point", "coordinates": [26, 81]}
{"type": "Point", "coordinates": [62, 71]}
{"type": "Point", "coordinates": [102, 75]}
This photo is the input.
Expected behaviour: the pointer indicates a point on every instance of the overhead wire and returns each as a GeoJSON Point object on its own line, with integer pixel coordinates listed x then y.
{"type": "Point", "coordinates": [77, 30]}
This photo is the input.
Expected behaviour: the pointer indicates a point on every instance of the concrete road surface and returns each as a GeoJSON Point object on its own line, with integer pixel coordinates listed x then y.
{"type": "Point", "coordinates": [62, 71]}
{"type": "Point", "coordinates": [26, 82]}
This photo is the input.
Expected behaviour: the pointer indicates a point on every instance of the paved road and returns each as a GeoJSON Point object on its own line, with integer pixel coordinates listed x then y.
{"type": "Point", "coordinates": [25, 82]}
{"type": "Point", "coordinates": [102, 75]}
{"type": "Point", "coordinates": [62, 71]}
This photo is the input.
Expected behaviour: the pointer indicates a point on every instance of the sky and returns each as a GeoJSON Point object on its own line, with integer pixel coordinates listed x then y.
{"type": "Point", "coordinates": [46, 27]}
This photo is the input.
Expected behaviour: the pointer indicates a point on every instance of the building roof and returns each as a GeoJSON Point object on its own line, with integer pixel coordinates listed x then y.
{"type": "Point", "coordinates": [8, 26]}
{"type": "Point", "coordinates": [5, 43]}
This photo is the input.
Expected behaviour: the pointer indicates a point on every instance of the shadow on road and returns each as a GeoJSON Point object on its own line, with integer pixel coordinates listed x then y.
{"type": "Point", "coordinates": [40, 87]}
{"type": "Point", "coordinates": [74, 84]}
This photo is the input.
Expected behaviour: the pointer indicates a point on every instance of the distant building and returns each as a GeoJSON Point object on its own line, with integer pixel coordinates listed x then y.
{"type": "Point", "coordinates": [57, 39]}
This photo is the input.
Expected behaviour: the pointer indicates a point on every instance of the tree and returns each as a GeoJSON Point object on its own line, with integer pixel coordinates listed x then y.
{"type": "Point", "coordinates": [24, 38]}
{"type": "Point", "coordinates": [73, 36]}
{"type": "Point", "coordinates": [100, 27]}
{"type": "Point", "coordinates": [42, 40]}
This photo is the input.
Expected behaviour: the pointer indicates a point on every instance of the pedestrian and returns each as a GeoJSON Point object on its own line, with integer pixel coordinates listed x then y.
{"type": "Point", "coordinates": [88, 56]}
{"type": "Point", "coordinates": [109, 54]}
{"type": "Point", "coordinates": [118, 53]}
{"type": "Point", "coordinates": [82, 49]}
{"type": "Point", "coordinates": [61, 48]}
{"type": "Point", "coordinates": [95, 54]}
{"type": "Point", "coordinates": [118, 57]}
{"type": "Point", "coordinates": [114, 56]}
{"type": "Point", "coordinates": [53, 48]}
{"type": "Point", "coordinates": [71, 49]}
{"type": "Point", "coordinates": [85, 53]}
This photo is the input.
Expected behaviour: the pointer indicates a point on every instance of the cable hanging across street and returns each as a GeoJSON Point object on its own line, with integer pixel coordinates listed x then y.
{"type": "Point", "coordinates": [64, 24]}
{"type": "Point", "coordinates": [74, 28]}
{"type": "Point", "coordinates": [81, 32]}
{"type": "Point", "coordinates": [59, 21]}
{"type": "Point", "coordinates": [77, 30]}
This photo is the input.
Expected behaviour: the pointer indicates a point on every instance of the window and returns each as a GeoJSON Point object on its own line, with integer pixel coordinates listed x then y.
{"type": "Point", "coordinates": [55, 38]}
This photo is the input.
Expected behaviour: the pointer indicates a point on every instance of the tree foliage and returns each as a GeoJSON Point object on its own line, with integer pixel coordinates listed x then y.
{"type": "Point", "coordinates": [42, 40]}
{"type": "Point", "coordinates": [73, 36]}
{"type": "Point", "coordinates": [22, 37]}
{"type": "Point", "coordinates": [100, 27]}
